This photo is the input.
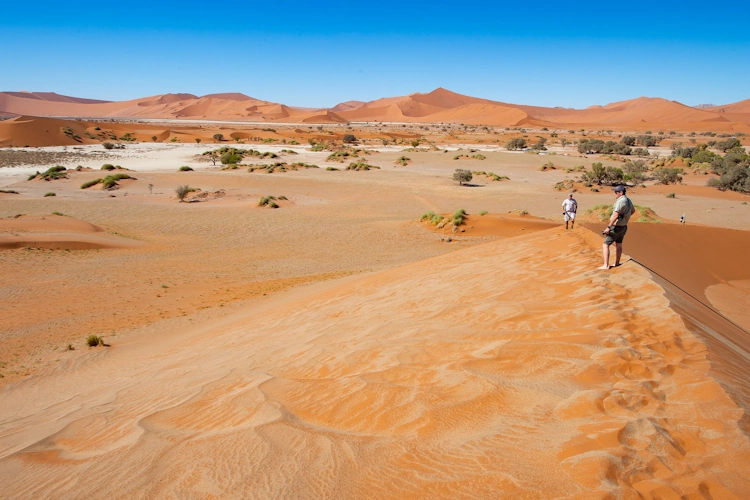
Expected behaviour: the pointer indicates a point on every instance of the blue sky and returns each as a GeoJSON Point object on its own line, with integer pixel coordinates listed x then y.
{"type": "Point", "coordinates": [571, 54]}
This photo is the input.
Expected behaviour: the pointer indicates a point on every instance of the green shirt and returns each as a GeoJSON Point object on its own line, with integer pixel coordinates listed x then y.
{"type": "Point", "coordinates": [624, 207]}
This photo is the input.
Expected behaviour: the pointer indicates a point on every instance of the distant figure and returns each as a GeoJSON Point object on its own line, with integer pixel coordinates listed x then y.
{"type": "Point", "coordinates": [570, 207]}
{"type": "Point", "coordinates": [618, 225]}
{"type": "Point", "coordinates": [682, 219]}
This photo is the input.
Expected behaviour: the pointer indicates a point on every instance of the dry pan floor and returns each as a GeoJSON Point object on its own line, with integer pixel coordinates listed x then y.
{"type": "Point", "coordinates": [507, 369]}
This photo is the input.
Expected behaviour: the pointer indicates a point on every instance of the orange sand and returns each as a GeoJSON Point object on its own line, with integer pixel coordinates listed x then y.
{"type": "Point", "coordinates": [509, 369]}
{"type": "Point", "coordinates": [438, 106]}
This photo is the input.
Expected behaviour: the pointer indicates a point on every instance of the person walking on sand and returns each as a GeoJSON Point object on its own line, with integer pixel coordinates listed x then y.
{"type": "Point", "coordinates": [570, 207]}
{"type": "Point", "coordinates": [682, 219]}
{"type": "Point", "coordinates": [618, 225]}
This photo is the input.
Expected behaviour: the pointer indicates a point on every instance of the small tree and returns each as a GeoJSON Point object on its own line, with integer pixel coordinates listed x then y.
{"type": "Point", "coordinates": [108, 145]}
{"type": "Point", "coordinates": [219, 137]}
{"type": "Point", "coordinates": [150, 189]}
{"type": "Point", "coordinates": [516, 143]}
{"type": "Point", "coordinates": [564, 142]}
{"type": "Point", "coordinates": [214, 155]}
{"type": "Point", "coordinates": [414, 143]}
{"type": "Point", "coordinates": [349, 139]}
{"type": "Point", "coordinates": [462, 176]}
{"type": "Point", "coordinates": [628, 140]}
{"type": "Point", "coordinates": [668, 175]}
{"type": "Point", "coordinates": [182, 192]}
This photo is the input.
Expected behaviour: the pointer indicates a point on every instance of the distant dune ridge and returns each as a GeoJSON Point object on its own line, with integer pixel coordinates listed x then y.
{"type": "Point", "coordinates": [439, 106]}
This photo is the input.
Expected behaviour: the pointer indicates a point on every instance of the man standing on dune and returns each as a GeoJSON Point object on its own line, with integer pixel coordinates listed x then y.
{"type": "Point", "coordinates": [618, 225]}
{"type": "Point", "coordinates": [570, 207]}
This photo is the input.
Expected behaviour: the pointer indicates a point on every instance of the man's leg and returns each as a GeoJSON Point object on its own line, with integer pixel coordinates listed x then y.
{"type": "Point", "coordinates": [605, 254]}
{"type": "Point", "coordinates": [566, 221]}
{"type": "Point", "coordinates": [572, 223]}
{"type": "Point", "coordinates": [618, 253]}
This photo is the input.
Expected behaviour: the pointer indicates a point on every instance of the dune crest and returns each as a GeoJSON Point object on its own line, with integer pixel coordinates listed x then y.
{"type": "Point", "coordinates": [511, 368]}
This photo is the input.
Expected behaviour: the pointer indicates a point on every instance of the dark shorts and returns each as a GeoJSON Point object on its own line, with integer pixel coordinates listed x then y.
{"type": "Point", "coordinates": [616, 235]}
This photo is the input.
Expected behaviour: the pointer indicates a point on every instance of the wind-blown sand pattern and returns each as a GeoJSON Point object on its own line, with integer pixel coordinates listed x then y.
{"type": "Point", "coordinates": [508, 369]}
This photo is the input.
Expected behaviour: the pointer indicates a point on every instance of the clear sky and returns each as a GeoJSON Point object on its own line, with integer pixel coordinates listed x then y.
{"type": "Point", "coordinates": [315, 54]}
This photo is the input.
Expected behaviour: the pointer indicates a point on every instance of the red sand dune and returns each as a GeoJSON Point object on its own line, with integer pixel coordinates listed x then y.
{"type": "Point", "coordinates": [58, 233]}
{"type": "Point", "coordinates": [440, 105]}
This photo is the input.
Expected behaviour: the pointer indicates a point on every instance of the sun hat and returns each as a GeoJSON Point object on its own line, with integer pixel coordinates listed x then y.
{"type": "Point", "coordinates": [619, 189]}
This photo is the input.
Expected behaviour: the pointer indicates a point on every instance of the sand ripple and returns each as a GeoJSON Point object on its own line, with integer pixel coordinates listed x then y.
{"type": "Point", "coordinates": [506, 370]}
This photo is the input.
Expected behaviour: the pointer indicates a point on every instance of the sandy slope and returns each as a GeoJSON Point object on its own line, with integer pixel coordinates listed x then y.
{"type": "Point", "coordinates": [509, 369]}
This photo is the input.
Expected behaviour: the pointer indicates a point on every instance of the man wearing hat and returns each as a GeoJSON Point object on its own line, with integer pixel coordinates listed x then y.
{"type": "Point", "coordinates": [618, 225]}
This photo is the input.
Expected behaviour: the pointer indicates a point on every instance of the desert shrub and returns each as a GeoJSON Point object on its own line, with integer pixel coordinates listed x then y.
{"type": "Point", "coordinates": [182, 192]}
{"type": "Point", "coordinates": [628, 140]}
{"type": "Point", "coordinates": [547, 166]}
{"type": "Point", "coordinates": [671, 195]}
{"type": "Point", "coordinates": [730, 143]}
{"type": "Point", "coordinates": [198, 140]}
{"type": "Point", "coordinates": [483, 212]}
{"type": "Point", "coordinates": [458, 217]}
{"type": "Point", "coordinates": [108, 145]}
{"type": "Point", "coordinates": [647, 140]}
{"type": "Point", "coordinates": [668, 175]}
{"type": "Point", "coordinates": [331, 169]}
{"type": "Point", "coordinates": [635, 171]}
{"type": "Point", "coordinates": [219, 137]}
{"type": "Point", "coordinates": [735, 178]}
{"type": "Point", "coordinates": [462, 176]}
{"type": "Point", "coordinates": [431, 217]}
{"type": "Point", "coordinates": [641, 152]}
{"type": "Point", "coordinates": [361, 165]}
{"type": "Point", "coordinates": [540, 145]}
{"type": "Point", "coordinates": [49, 194]}
{"type": "Point", "coordinates": [349, 139]}
{"type": "Point", "coordinates": [108, 166]}
{"type": "Point", "coordinates": [94, 340]}
{"type": "Point", "coordinates": [403, 161]}
{"type": "Point", "coordinates": [52, 173]}
{"type": "Point", "coordinates": [88, 184]}
{"type": "Point", "coordinates": [185, 168]}
{"type": "Point", "coordinates": [516, 143]}
{"type": "Point", "coordinates": [603, 175]}
{"type": "Point", "coordinates": [110, 181]}
{"type": "Point", "coordinates": [232, 156]}
{"type": "Point", "coordinates": [289, 151]}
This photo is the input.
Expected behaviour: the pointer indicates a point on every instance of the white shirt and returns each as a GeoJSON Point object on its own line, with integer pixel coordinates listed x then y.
{"type": "Point", "coordinates": [570, 205]}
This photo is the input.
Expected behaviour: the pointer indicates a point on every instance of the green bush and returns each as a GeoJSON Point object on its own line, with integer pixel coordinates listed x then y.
{"type": "Point", "coordinates": [458, 217]}
{"type": "Point", "coordinates": [462, 176]}
{"type": "Point", "coordinates": [483, 212]}
{"type": "Point", "coordinates": [88, 184]}
{"type": "Point", "coordinates": [516, 143]}
{"type": "Point", "coordinates": [671, 195]}
{"type": "Point", "coordinates": [94, 340]}
{"type": "Point", "coordinates": [361, 165]}
{"type": "Point", "coordinates": [182, 192]}
{"type": "Point", "coordinates": [349, 139]}
{"type": "Point", "coordinates": [108, 166]}
{"type": "Point", "coordinates": [185, 168]}
{"type": "Point", "coordinates": [49, 194]}
{"type": "Point", "coordinates": [668, 175]}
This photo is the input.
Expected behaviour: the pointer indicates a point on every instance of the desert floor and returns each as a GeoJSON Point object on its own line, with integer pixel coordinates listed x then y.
{"type": "Point", "coordinates": [337, 347]}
